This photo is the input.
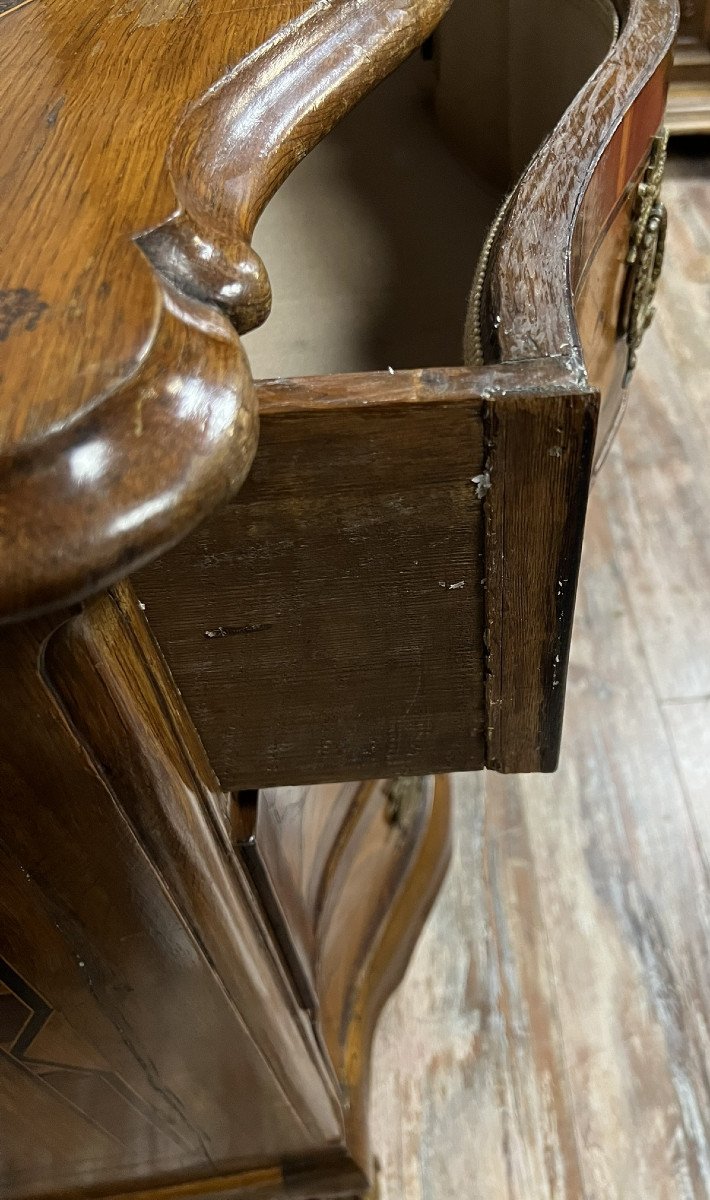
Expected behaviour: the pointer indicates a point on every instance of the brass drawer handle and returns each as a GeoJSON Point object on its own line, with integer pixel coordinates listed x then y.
{"type": "Point", "coordinates": [645, 256]}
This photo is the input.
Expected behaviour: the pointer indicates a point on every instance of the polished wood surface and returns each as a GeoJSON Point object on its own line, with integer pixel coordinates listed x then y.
{"type": "Point", "coordinates": [559, 999]}
{"type": "Point", "coordinates": [147, 136]}
{"type": "Point", "coordinates": [150, 1029]}
{"type": "Point", "coordinates": [130, 432]}
{"type": "Point", "coordinates": [329, 1176]}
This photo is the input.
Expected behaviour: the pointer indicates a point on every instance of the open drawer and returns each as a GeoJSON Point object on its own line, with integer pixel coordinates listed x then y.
{"type": "Point", "coordinates": [393, 588]}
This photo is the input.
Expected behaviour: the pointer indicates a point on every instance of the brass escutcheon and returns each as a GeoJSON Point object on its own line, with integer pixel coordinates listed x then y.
{"type": "Point", "coordinates": [645, 255]}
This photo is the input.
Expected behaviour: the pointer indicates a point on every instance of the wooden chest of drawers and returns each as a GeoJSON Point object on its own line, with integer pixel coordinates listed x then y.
{"type": "Point", "coordinates": [221, 596]}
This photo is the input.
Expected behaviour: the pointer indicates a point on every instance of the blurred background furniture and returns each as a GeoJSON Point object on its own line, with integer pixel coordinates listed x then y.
{"type": "Point", "coordinates": [689, 93]}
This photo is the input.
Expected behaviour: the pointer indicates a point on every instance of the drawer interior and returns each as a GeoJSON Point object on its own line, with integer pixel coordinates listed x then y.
{"type": "Point", "coordinates": [372, 243]}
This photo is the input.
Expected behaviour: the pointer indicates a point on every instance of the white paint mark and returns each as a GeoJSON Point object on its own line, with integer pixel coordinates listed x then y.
{"type": "Point", "coordinates": [483, 484]}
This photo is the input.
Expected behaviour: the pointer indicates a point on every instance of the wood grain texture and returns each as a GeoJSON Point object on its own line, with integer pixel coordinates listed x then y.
{"type": "Point", "coordinates": [350, 578]}
{"type": "Point", "coordinates": [550, 1038]}
{"type": "Point", "coordinates": [236, 146]}
{"type": "Point", "coordinates": [286, 837]}
{"type": "Point", "coordinates": [568, 303]}
{"type": "Point", "coordinates": [409, 852]}
{"type": "Point", "coordinates": [539, 463]}
{"type": "Point", "coordinates": [688, 109]}
{"type": "Point", "coordinates": [127, 917]}
{"type": "Point", "coordinates": [132, 952]}
{"type": "Point", "coordinates": [688, 721]}
{"type": "Point", "coordinates": [331, 620]}
{"type": "Point", "coordinates": [98, 496]}
{"type": "Point", "coordinates": [144, 141]}
{"type": "Point", "coordinates": [329, 1176]}
{"type": "Point", "coordinates": [315, 846]}
{"type": "Point", "coordinates": [410, 740]}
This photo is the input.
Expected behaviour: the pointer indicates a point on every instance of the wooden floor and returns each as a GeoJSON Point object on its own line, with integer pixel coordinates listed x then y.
{"type": "Point", "coordinates": [552, 1037]}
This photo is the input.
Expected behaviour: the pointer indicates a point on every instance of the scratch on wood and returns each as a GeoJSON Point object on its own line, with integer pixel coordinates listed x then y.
{"type": "Point", "coordinates": [154, 12]}
{"type": "Point", "coordinates": [223, 631]}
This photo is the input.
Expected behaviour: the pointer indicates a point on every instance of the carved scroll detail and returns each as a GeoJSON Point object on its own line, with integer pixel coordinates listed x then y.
{"type": "Point", "coordinates": [238, 144]}
{"type": "Point", "coordinates": [128, 408]}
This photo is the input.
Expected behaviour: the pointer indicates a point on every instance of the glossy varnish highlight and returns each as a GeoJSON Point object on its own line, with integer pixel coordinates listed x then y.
{"type": "Point", "coordinates": [127, 203]}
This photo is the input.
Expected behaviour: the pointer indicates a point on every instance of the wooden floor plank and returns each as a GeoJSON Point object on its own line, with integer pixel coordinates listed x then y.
{"type": "Point", "coordinates": [552, 1037]}
{"type": "Point", "coordinates": [474, 1094]}
{"type": "Point", "coordinates": [689, 724]}
{"type": "Point", "coordinates": [620, 876]}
